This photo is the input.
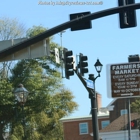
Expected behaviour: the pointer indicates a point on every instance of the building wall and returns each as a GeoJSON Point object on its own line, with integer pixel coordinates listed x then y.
{"type": "Point", "coordinates": [71, 129]}
{"type": "Point", "coordinates": [119, 104]}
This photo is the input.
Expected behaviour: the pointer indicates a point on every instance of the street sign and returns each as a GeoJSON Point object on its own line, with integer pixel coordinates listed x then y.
{"type": "Point", "coordinates": [123, 80]}
{"type": "Point", "coordinates": [90, 83]}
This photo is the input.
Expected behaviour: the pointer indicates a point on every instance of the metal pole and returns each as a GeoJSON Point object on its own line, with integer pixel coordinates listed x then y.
{"type": "Point", "coordinates": [64, 26]}
{"type": "Point", "coordinates": [92, 96]}
{"type": "Point", "coordinates": [23, 123]}
{"type": "Point", "coordinates": [94, 117]}
{"type": "Point", "coordinates": [93, 104]}
{"type": "Point", "coordinates": [61, 53]}
{"type": "Point", "coordinates": [129, 119]}
{"type": "Point", "coordinates": [94, 110]}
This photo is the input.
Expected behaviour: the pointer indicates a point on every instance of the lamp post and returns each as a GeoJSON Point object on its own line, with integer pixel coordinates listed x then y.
{"type": "Point", "coordinates": [93, 97]}
{"type": "Point", "coordinates": [61, 36]}
{"type": "Point", "coordinates": [61, 52]}
{"type": "Point", "coordinates": [21, 95]}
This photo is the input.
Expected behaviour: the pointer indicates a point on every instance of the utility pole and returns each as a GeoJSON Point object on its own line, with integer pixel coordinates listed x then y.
{"type": "Point", "coordinates": [92, 96]}
{"type": "Point", "coordinates": [129, 119]}
{"type": "Point", "coordinates": [131, 58]}
{"type": "Point", "coordinates": [93, 107]}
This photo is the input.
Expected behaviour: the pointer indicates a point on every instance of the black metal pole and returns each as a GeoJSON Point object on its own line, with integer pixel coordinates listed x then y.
{"type": "Point", "coordinates": [23, 122]}
{"type": "Point", "coordinates": [92, 96]}
{"type": "Point", "coordinates": [129, 119]}
{"type": "Point", "coordinates": [131, 58]}
{"type": "Point", "coordinates": [94, 110]}
{"type": "Point", "coordinates": [94, 117]}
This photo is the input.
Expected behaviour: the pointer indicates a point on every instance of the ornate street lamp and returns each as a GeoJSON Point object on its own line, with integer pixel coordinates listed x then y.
{"type": "Point", "coordinates": [98, 66]}
{"type": "Point", "coordinates": [21, 94]}
{"type": "Point", "coordinates": [93, 97]}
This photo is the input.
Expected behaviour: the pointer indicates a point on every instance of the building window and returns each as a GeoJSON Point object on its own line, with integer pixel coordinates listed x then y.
{"type": "Point", "coordinates": [83, 127]}
{"type": "Point", "coordinates": [123, 111]}
{"type": "Point", "coordinates": [105, 123]}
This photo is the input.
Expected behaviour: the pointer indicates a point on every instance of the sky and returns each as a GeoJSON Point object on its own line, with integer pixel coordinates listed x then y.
{"type": "Point", "coordinates": [105, 41]}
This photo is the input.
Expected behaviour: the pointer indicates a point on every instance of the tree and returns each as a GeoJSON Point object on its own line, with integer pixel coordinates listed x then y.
{"type": "Point", "coordinates": [48, 100]}
{"type": "Point", "coordinates": [6, 110]}
{"type": "Point", "coordinates": [9, 29]}
{"type": "Point", "coordinates": [35, 30]}
{"type": "Point", "coordinates": [135, 106]}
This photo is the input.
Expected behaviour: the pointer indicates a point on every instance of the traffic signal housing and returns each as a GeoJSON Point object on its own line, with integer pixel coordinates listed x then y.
{"type": "Point", "coordinates": [133, 124]}
{"type": "Point", "coordinates": [68, 62]}
{"type": "Point", "coordinates": [83, 64]}
{"type": "Point", "coordinates": [127, 18]}
{"type": "Point", "coordinates": [80, 25]}
{"type": "Point", "coordinates": [134, 58]}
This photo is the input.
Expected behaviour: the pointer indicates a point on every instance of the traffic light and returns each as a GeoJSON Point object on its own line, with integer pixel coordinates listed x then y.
{"type": "Point", "coordinates": [83, 64]}
{"type": "Point", "coordinates": [68, 61]}
{"type": "Point", "coordinates": [127, 18]}
{"type": "Point", "coordinates": [80, 25]}
{"type": "Point", "coordinates": [133, 124]}
{"type": "Point", "coordinates": [134, 58]}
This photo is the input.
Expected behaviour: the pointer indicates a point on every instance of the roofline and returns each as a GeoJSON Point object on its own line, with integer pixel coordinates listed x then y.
{"type": "Point", "coordinates": [82, 118]}
{"type": "Point", "coordinates": [116, 99]}
{"type": "Point", "coordinates": [114, 132]}
{"type": "Point", "coordinates": [111, 102]}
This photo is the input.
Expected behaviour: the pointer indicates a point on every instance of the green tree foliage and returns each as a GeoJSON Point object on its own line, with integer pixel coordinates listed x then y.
{"type": "Point", "coordinates": [35, 30]}
{"type": "Point", "coordinates": [135, 106]}
{"type": "Point", "coordinates": [6, 105]}
{"type": "Point", "coordinates": [48, 100]}
{"type": "Point", "coordinates": [9, 29]}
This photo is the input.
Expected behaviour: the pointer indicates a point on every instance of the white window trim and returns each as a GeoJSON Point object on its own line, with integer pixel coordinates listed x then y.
{"type": "Point", "coordinates": [123, 110]}
{"type": "Point", "coordinates": [87, 128]}
{"type": "Point", "coordinates": [105, 121]}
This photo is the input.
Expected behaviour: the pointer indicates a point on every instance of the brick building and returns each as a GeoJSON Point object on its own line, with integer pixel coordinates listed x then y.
{"type": "Point", "coordinates": [111, 118]}
{"type": "Point", "coordinates": [80, 128]}
{"type": "Point", "coordinates": [119, 108]}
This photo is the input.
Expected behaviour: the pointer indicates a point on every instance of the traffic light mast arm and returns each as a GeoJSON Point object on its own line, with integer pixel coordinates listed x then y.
{"type": "Point", "coordinates": [83, 81]}
{"type": "Point", "coordinates": [64, 26]}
